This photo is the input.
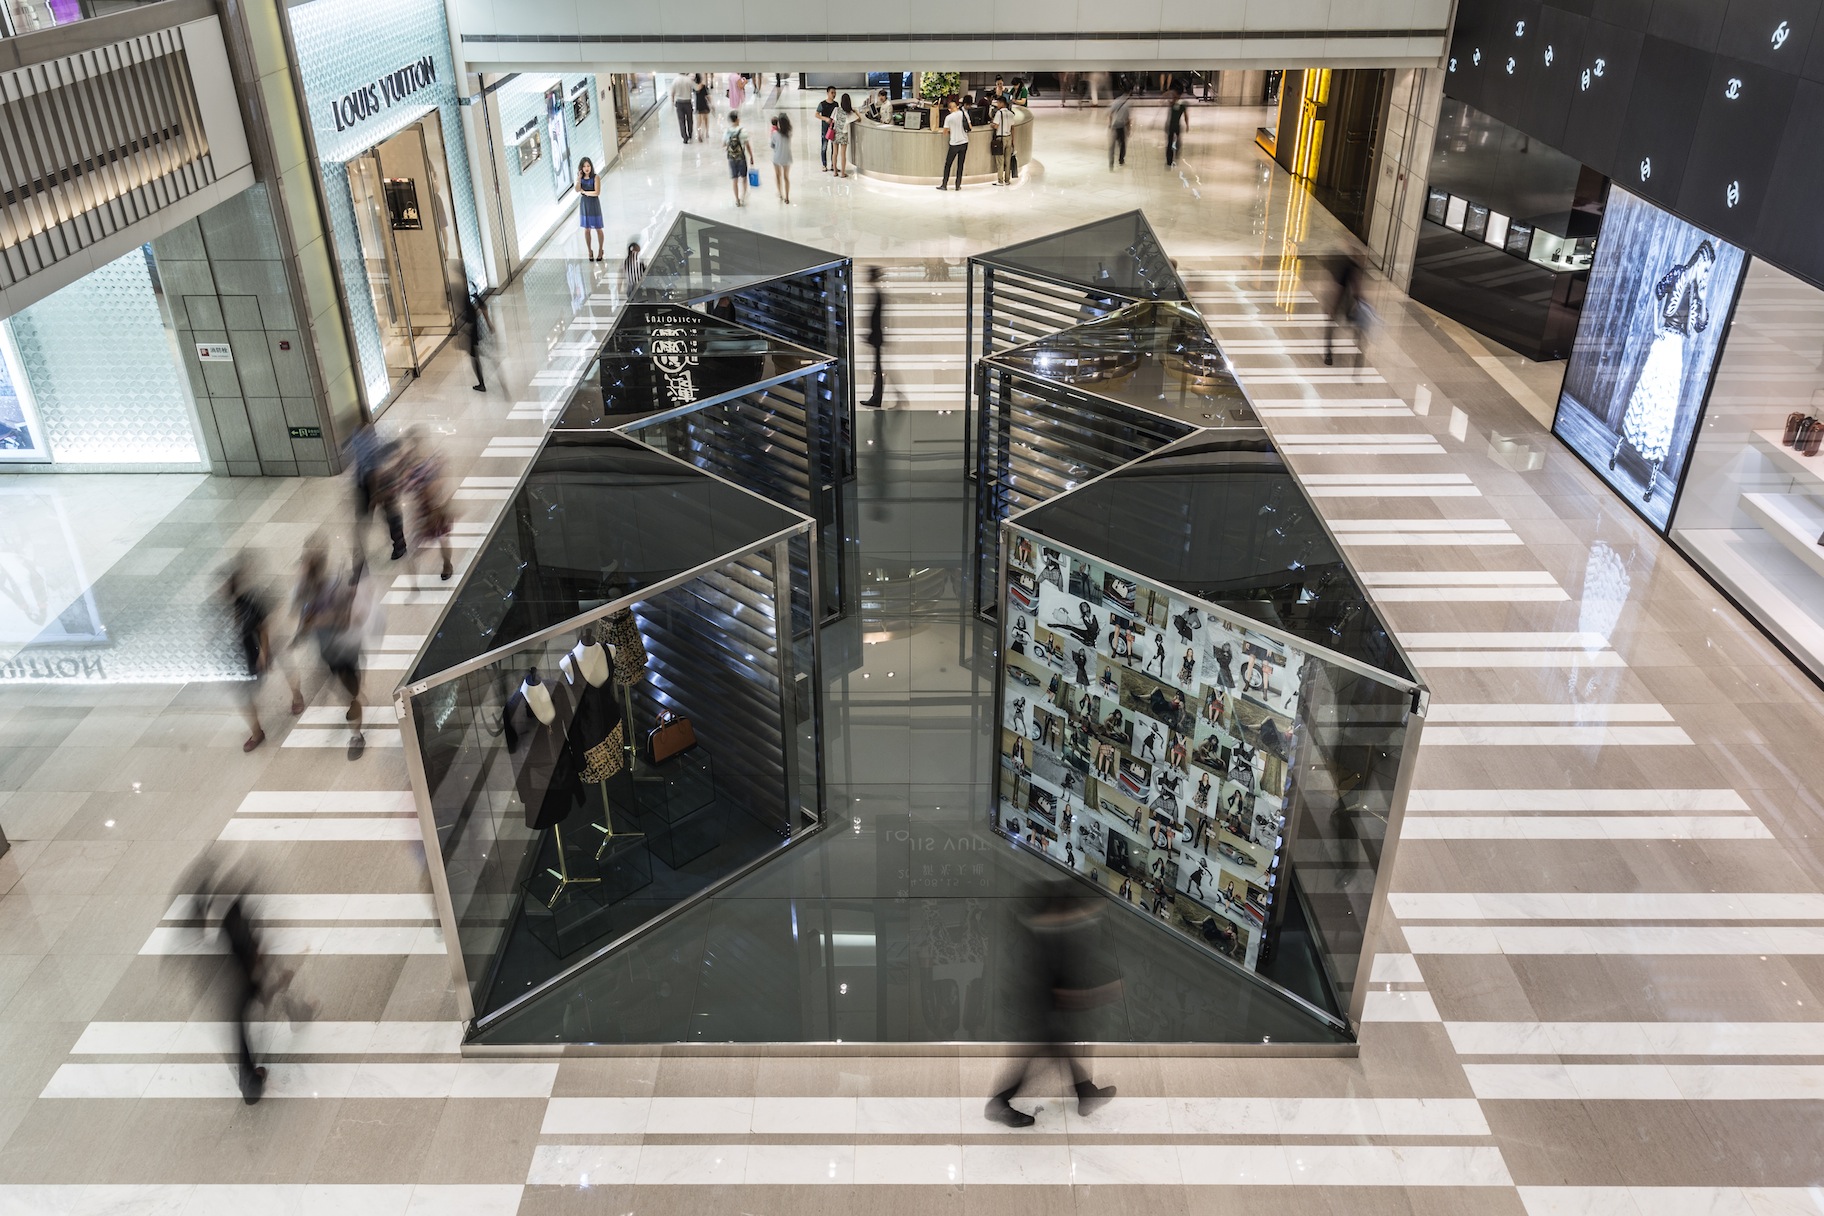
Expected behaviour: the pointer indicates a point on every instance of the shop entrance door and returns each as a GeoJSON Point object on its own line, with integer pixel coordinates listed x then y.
{"type": "Point", "coordinates": [409, 245]}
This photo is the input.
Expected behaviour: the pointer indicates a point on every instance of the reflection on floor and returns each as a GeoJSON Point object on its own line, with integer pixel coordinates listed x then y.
{"type": "Point", "coordinates": [1602, 993]}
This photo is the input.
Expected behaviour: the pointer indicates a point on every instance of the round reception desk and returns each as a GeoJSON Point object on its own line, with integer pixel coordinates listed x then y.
{"type": "Point", "coordinates": [916, 156]}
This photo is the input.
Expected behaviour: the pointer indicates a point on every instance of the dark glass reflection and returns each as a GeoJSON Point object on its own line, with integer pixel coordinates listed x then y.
{"type": "Point", "coordinates": [1157, 356]}
{"type": "Point", "coordinates": [1224, 520]}
{"type": "Point", "coordinates": [1118, 256]}
{"type": "Point", "coordinates": [597, 517]}
{"type": "Point", "coordinates": [662, 357]}
{"type": "Point", "coordinates": [700, 258]}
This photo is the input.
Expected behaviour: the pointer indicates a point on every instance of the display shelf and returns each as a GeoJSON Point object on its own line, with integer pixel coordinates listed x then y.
{"type": "Point", "coordinates": [1808, 469]}
{"type": "Point", "coordinates": [1795, 520]}
{"type": "Point", "coordinates": [1753, 568]}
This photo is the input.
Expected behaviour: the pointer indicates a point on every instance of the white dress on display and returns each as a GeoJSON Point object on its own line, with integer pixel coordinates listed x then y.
{"type": "Point", "coordinates": [1680, 310]}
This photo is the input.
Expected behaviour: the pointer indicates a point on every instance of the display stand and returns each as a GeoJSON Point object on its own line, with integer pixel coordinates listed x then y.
{"type": "Point", "coordinates": [602, 525]}
{"type": "Point", "coordinates": [1041, 286]}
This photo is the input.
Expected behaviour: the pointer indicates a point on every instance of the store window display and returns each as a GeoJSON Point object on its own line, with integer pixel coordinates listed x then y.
{"type": "Point", "coordinates": [1752, 511]}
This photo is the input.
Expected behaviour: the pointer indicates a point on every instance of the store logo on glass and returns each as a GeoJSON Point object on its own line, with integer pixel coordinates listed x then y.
{"type": "Point", "coordinates": [1519, 29]}
{"type": "Point", "coordinates": [1510, 65]}
{"type": "Point", "coordinates": [1476, 57]}
{"type": "Point", "coordinates": [1734, 88]}
{"type": "Point", "coordinates": [1781, 33]}
{"type": "Point", "coordinates": [674, 354]}
{"type": "Point", "coordinates": [1646, 167]}
{"type": "Point", "coordinates": [1733, 194]}
{"type": "Point", "coordinates": [1548, 56]}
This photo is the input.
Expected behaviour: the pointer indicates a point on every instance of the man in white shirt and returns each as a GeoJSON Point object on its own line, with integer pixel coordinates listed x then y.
{"type": "Point", "coordinates": [681, 102]}
{"type": "Point", "coordinates": [1002, 146]}
{"type": "Point", "coordinates": [956, 126]}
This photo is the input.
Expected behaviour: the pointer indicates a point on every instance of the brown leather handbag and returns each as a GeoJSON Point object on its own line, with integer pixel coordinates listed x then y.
{"type": "Point", "coordinates": [672, 736]}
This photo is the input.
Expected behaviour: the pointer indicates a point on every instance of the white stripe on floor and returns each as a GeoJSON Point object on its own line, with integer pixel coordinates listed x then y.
{"type": "Point", "coordinates": [270, 1038]}
{"type": "Point", "coordinates": [1647, 1082]}
{"type": "Point", "coordinates": [951, 1165]}
{"type": "Point", "coordinates": [304, 939]}
{"type": "Point", "coordinates": [328, 802]}
{"type": "Point", "coordinates": [292, 1199]}
{"type": "Point", "coordinates": [1556, 736]}
{"type": "Point", "coordinates": [1583, 827]}
{"type": "Point", "coordinates": [324, 828]}
{"type": "Point", "coordinates": [268, 907]}
{"type": "Point", "coordinates": [1535, 711]}
{"type": "Point", "coordinates": [1577, 800]}
{"type": "Point", "coordinates": [1731, 941]}
{"type": "Point", "coordinates": [1637, 1038]}
{"type": "Point", "coordinates": [1238, 1115]}
{"type": "Point", "coordinates": [1606, 905]}
{"type": "Point", "coordinates": [1517, 658]}
{"type": "Point", "coordinates": [1672, 1200]}
{"type": "Point", "coordinates": [464, 1079]}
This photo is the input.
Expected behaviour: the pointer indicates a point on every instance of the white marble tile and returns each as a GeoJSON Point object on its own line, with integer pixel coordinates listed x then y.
{"type": "Point", "coordinates": [804, 1116]}
{"type": "Point", "coordinates": [710, 1116]}
{"type": "Point", "coordinates": [908, 1164]}
{"type": "Point", "coordinates": [1395, 968]}
{"type": "Point", "coordinates": [1016, 1165]}
{"type": "Point", "coordinates": [1234, 1165]}
{"type": "Point", "coordinates": [595, 1116]}
{"type": "Point", "coordinates": [431, 1199]}
{"type": "Point", "coordinates": [1343, 1165]}
{"type": "Point", "coordinates": [800, 1165]}
{"type": "Point", "coordinates": [1505, 1082]}
{"type": "Point", "coordinates": [692, 1165]}
{"type": "Point", "coordinates": [1123, 1165]}
{"type": "Point", "coordinates": [912, 1116]}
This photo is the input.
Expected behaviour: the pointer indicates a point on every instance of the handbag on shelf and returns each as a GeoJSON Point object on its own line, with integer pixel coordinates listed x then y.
{"type": "Point", "coordinates": [671, 737]}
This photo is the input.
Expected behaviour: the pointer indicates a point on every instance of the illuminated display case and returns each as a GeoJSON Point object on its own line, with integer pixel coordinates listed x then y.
{"type": "Point", "coordinates": [614, 716]}
{"type": "Point", "coordinates": [1201, 713]}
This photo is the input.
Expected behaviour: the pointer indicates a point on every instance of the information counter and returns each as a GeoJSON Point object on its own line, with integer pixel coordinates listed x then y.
{"type": "Point", "coordinates": [916, 156]}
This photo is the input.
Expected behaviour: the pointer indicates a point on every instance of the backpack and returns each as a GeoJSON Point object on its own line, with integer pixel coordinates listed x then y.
{"type": "Point", "coordinates": [736, 144]}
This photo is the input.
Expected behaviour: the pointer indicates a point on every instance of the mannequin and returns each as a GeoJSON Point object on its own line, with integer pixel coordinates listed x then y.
{"type": "Point", "coordinates": [598, 733]}
{"type": "Point", "coordinates": [549, 784]}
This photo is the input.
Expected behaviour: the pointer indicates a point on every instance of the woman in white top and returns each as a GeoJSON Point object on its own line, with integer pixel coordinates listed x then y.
{"type": "Point", "coordinates": [1002, 145]}
{"type": "Point", "coordinates": [844, 118]}
{"type": "Point", "coordinates": [781, 141]}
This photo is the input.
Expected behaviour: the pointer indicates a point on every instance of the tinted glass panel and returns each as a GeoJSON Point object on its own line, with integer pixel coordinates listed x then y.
{"type": "Point", "coordinates": [1119, 255]}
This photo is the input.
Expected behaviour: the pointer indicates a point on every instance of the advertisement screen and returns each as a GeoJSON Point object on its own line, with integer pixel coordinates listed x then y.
{"type": "Point", "coordinates": [1659, 299]}
{"type": "Point", "coordinates": [21, 437]}
{"type": "Point", "coordinates": [560, 142]}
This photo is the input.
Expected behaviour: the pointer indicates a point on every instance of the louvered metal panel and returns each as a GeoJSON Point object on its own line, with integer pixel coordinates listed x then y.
{"type": "Point", "coordinates": [94, 142]}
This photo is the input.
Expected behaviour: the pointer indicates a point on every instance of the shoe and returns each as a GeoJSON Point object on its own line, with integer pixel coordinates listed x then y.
{"type": "Point", "coordinates": [480, 388]}
{"type": "Point", "coordinates": [398, 552]}
{"type": "Point", "coordinates": [254, 741]}
{"type": "Point", "coordinates": [1328, 361]}
{"type": "Point", "coordinates": [999, 1111]}
{"type": "Point", "coordinates": [253, 1085]}
{"type": "Point", "coordinates": [1089, 1096]}
{"type": "Point", "coordinates": [354, 712]}
{"type": "Point", "coordinates": [357, 746]}
{"type": "Point", "coordinates": [447, 571]}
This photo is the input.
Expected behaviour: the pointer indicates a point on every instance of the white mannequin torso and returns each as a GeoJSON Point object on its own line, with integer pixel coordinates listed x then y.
{"type": "Point", "coordinates": [538, 700]}
{"type": "Point", "coordinates": [593, 662]}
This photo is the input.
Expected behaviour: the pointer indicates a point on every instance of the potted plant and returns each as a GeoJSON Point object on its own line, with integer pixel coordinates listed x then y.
{"type": "Point", "coordinates": [933, 87]}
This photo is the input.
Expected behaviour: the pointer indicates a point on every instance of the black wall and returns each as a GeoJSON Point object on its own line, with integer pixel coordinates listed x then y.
{"type": "Point", "coordinates": [1713, 109]}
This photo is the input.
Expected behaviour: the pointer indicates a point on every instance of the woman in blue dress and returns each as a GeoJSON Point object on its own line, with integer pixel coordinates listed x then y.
{"type": "Point", "coordinates": [589, 210]}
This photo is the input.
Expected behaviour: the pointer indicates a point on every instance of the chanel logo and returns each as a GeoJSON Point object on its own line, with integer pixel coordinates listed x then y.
{"type": "Point", "coordinates": [1453, 63]}
{"type": "Point", "coordinates": [1586, 80]}
{"type": "Point", "coordinates": [1734, 89]}
{"type": "Point", "coordinates": [1733, 194]}
{"type": "Point", "coordinates": [1781, 33]}
{"type": "Point", "coordinates": [1548, 56]}
{"type": "Point", "coordinates": [1646, 167]}
{"type": "Point", "coordinates": [1600, 65]}
{"type": "Point", "coordinates": [1510, 65]}
{"type": "Point", "coordinates": [1519, 29]}
{"type": "Point", "coordinates": [1475, 57]}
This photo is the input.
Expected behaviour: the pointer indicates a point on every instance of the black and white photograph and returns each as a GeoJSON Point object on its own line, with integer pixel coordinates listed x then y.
{"type": "Point", "coordinates": [1660, 295]}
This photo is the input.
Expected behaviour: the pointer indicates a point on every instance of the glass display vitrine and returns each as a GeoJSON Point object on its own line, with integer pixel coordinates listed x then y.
{"type": "Point", "coordinates": [1202, 714]}
{"type": "Point", "coordinates": [610, 721]}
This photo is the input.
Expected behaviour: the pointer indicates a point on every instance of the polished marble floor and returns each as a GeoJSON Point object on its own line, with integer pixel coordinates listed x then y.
{"type": "Point", "coordinates": [1597, 997]}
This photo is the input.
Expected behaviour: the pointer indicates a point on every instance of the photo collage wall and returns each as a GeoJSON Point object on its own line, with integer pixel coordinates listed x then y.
{"type": "Point", "coordinates": [1146, 744]}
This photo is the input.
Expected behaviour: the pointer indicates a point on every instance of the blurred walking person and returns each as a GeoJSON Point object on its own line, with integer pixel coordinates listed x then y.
{"type": "Point", "coordinates": [1067, 981]}
{"type": "Point", "coordinates": [1177, 122]}
{"type": "Point", "coordinates": [328, 614]}
{"type": "Point", "coordinates": [633, 268]}
{"type": "Point", "coordinates": [701, 96]}
{"type": "Point", "coordinates": [1120, 114]}
{"type": "Point", "coordinates": [877, 336]}
{"type": "Point", "coordinates": [1345, 303]}
{"type": "Point", "coordinates": [740, 152]}
{"type": "Point", "coordinates": [474, 320]}
{"type": "Point", "coordinates": [422, 485]}
{"type": "Point", "coordinates": [371, 458]}
{"type": "Point", "coordinates": [251, 611]}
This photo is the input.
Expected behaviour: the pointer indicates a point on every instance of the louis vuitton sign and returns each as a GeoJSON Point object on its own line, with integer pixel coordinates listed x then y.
{"type": "Point", "coordinates": [359, 105]}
